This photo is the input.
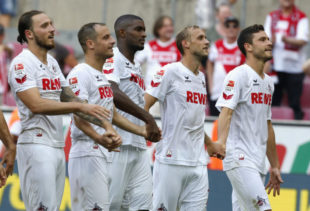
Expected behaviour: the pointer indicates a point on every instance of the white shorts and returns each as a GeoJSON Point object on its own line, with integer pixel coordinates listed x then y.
{"type": "Point", "coordinates": [248, 190]}
{"type": "Point", "coordinates": [42, 174]}
{"type": "Point", "coordinates": [131, 180]}
{"type": "Point", "coordinates": [88, 183]}
{"type": "Point", "coordinates": [180, 187]}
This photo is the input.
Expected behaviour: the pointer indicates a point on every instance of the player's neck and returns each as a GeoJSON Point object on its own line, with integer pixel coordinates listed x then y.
{"type": "Point", "coordinates": [40, 53]}
{"type": "Point", "coordinates": [127, 52]}
{"type": "Point", "coordinates": [191, 63]}
{"type": "Point", "coordinates": [96, 63]}
{"type": "Point", "coordinates": [256, 65]}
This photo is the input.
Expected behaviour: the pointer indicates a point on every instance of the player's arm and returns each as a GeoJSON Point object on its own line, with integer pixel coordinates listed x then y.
{"type": "Point", "coordinates": [110, 139]}
{"type": "Point", "coordinates": [149, 101]}
{"type": "Point", "coordinates": [9, 155]}
{"type": "Point", "coordinates": [224, 125]}
{"type": "Point", "coordinates": [124, 103]}
{"type": "Point", "coordinates": [32, 99]}
{"type": "Point", "coordinates": [127, 125]}
{"type": "Point", "coordinates": [210, 71]}
{"type": "Point", "coordinates": [275, 177]}
{"type": "Point", "coordinates": [67, 95]}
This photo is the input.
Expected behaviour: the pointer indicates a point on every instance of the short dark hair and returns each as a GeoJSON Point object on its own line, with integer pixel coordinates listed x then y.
{"type": "Point", "coordinates": [159, 24]}
{"type": "Point", "coordinates": [124, 21]}
{"type": "Point", "coordinates": [25, 23]}
{"type": "Point", "coordinates": [246, 36]}
{"type": "Point", "coordinates": [184, 35]}
{"type": "Point", "coordinates": [88, 32]}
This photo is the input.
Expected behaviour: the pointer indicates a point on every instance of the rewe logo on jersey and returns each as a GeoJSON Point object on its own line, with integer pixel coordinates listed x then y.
{"type": "Point", "coordinates": [261, 98]}
{"type": "Point", "coordinates": [196, 97]}
{"type": "Point", "coordinates": [105, 92]}
{"type": "Point", "coordinates": [137, 79]}
{"type": "Point", "coordinates": [51, 84]}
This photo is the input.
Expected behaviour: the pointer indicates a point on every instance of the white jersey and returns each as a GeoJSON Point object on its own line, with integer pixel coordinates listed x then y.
{"type": "Point", "coordinates": [182, 96]}
{"type": "Point", "coordinates": [129, 78]}
{"type": "Point", "coordinates": [27, 71]}
{"type": "Point", "coordinates": [250, 97]}
{"type": "Point", "coordinates": [91, 85]}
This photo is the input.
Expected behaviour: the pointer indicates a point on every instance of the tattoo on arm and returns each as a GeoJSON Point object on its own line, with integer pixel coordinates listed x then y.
{"type": "Point", "coordinates": [67, 95]}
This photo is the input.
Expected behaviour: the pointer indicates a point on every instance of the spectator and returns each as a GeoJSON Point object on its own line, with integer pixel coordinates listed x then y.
{"type": "Point", "coordinates": [65, 58]}
{"type": "Point", "coordinates": [218, 30]}
{"type": "Point", "coordinates": [224, 56]}
{"type": "Point", "coordinates": [5, 55]}
{"type": "Point", "coordinates": [160, 51]}
{"type": "Point", "coordinates": [7, 11]}
{"type": "Point", "coordinates": [288, 29]}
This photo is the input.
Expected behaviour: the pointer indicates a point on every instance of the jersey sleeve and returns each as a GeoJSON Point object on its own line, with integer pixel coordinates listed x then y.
{"type": "Point", "coordinates": [79, 83]}
{"type": "Point", "coordinates": [21, 77]}
{"type": "Point", "coordinates": [160, 84]}
{"type": "Point", "coordinates": [303, 29]}
{"type": "Point", "coordinates": [213, 53]}
{"type": "Point", "coordinates": [111, 70]}
{"type": "Point", "coordinates": [231, 91]}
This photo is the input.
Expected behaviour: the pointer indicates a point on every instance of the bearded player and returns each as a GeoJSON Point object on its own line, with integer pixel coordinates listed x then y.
{"type": "Point", "coordinates": [39, 86]}
{"type": "Point", "coordinates": [180, 176]}
{"type": "Point", "coordinates": [245, 127]}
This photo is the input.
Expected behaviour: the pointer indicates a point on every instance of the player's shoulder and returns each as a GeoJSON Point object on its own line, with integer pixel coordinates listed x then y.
{"type": "Point", "coordinates": [241, 70]}
{"type": "Point", "coordinates": [24, 57]}
{"type": "Point", "coordinates": [172, 68]}
{"type": "Point", "coordinates": [79, 70]}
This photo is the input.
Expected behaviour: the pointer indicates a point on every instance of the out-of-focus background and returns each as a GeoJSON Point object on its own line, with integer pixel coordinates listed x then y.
{"type": "Point", "coordinates": [292, 128]}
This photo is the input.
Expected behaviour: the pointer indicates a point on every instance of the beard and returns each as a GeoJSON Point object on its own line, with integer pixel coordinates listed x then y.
{"type": "Point", "coordinates": [200, 56]}
{"type": "Point", "coordinates": [40, 42]}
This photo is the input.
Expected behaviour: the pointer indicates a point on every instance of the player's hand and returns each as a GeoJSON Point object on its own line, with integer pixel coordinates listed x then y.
{"type": "Point", "coordinates": [110, 140]}
{"type": "Point", "coordinates": [96, 111]}
{"type": "Point", "coordinates": [216, 149]}
{"type": "Point", "coordinates": [2, 176]}
{"type": "Point", "coordinates": [153, 132]}
{"type": "Point", "coordinates": [9, 159]}
{"type": "Point", "coordinates": [275, 181]}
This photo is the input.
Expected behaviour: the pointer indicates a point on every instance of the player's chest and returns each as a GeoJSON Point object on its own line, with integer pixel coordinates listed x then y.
{"type": "Point", "coordinates": [258, 93]}
{"type": "Point", "coordinates": [132, 76]}
{"type": "Point", "coordinates": [48, 78]}
{"type": "Point", "coordinates": [99, 88]}
{"type": "Point", "coordinates": [190, 89]}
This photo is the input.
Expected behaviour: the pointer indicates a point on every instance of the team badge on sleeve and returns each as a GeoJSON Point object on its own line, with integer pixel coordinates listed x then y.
{"type": "Point", "coordinates": [73, 82]}
{"type": "Point", "coordinates": [20, 75]}
{"type": "Point", "coordinates": [108, 66]}
{"type": "Point", "coordinates": [157, 78]}
{"type": "Point", "coordinates": [227, 94]}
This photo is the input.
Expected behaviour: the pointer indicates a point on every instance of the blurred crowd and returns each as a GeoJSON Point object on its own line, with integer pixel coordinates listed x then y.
{"type": "Point", "coordinates": [287, 27]}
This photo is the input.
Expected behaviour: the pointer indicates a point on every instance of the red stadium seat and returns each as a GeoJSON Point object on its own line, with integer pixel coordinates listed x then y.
{"type": "Point", "coordinates": [282, 112]}
{"type": "Point", "coordinates": [307, 114]}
